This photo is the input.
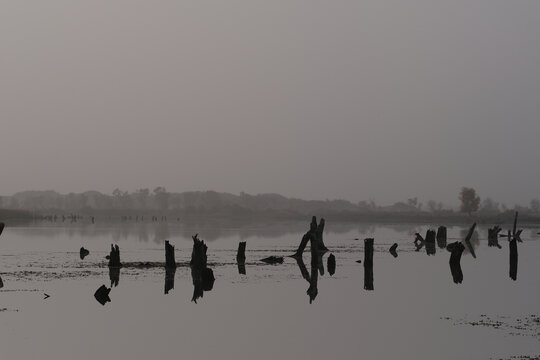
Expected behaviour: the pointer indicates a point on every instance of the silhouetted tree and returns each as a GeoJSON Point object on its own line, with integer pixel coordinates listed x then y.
{"type": "Point", "coordinates": [469, 200]}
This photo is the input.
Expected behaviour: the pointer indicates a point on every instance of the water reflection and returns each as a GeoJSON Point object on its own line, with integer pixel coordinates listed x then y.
{"type": "Point", "coordinates": [313, 277]}
{"type": "Point", "coordinates": [513, 258]}
{"type": "Point", "coordinates": [114, 276]}
{"type": "Point", "coordinates": [203, 280]}
{"type": "Point", "coordinates": [456, 250]}
{"type": "Point", "coordinates": [170, 272]}
{"type": "Point", "coordinates": [331, 264]}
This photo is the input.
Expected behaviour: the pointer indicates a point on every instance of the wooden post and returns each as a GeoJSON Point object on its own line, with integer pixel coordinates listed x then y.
{"type": "Point", "coordinates": [456, 250]}
{"type": "Point", "coordinates": [170, 262]}
{"type": "Point", "coordinates": [241, 253]}
{"type": "Point", "coordinates": [441, 237]}
{"type": "Point", "coordinates": [2, 226]}
{"type": "Point", "coordinates": [513, 259]}
{"type": "Point", "coordinates": [114, 256]}
{"type": "Point", "coordinates": [368, 264]}
{"type": "Point", "coordinates": [202, 276]}
{"type": "Point", "coordinates": [430, 242]}
{"type": "Point", "coordinates": [493, 236]}
{"type": "Point", "coordinates": [468, 240]}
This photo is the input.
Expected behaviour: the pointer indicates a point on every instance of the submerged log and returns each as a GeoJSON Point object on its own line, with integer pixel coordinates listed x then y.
{"type": "Point", "coordinates": [114, 256]}
{"type": "Point", "coordinates": [368, 264]}
{"type": "Point", "coordinates": [241, 253]}
{"type": "Point", "coordinates": [331, 264]}
{"type": "Point", "coordinates": [493, 236]}
{"type": "Point", "coordinates": [2, 226]}
{"type": "Point", "coordinates": [170, 261]}
{"type": "Point", "coordinates": [273, 260]}
{"type": "Point", "coordinates": [102, 295]}
{"type": "Point", "coordinates": [83, 253]}
{"type": "Point", "coordinates": [513, 259]}
{"type": "Point", "coordinates": [393, 249]}
{"type": "Point", "coordinates": [455, 261]}
{"type": "Point", "coordinates": [441, 237]}
{"type": "Point", "coordinates": [468, 240]}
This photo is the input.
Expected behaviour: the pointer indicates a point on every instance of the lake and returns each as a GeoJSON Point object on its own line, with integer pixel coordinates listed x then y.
{"type": "Point", "coordinates": [415, 311]}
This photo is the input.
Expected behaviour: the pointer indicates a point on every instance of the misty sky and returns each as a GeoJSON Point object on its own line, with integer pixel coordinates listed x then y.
{"type": "Point", "coordinates": [379, 100]}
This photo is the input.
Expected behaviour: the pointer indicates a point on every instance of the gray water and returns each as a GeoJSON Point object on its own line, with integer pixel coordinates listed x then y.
{"type": "Point", "coordinates": [415, 311]}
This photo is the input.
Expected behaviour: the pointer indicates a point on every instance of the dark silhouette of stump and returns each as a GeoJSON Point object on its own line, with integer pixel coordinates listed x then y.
{"type": "Point", "coordinates": [102, 295]}
{"type": "Point", "coordinates": [170, 262]}
{"type": "Point", "coordinates": [319, 235]}
{"type": "Point", "coordinates": [2, 226]}
{"type": "Point", "coordinates": [368, 264]}
{"type": "Point", "coordinates": [456, 249]}
{"type": "Point", "coordinates": [468, 240]}
{"type": "Point", "coordinates": [430, 242]}
{"type": "Point", "coordinates": [114, 256]}
{"type": "Point", "coordinates": [170, 272]}
{"type": "Point", "coordinates": [441, 237]}
{"type": "Point", "coordinates": [202, 276]}
{"type": "Point", "coordinates": [241, 253]}
{"type": "Point", "coordinates": [114, 276]}
{"type": "Point", "coordinates": [493, 236]}
{"type": "Point", "coordinates": [331, 264]}
{"type": "Point", "coordinates": [513, 259]}
{"type": "Point", "coordinates": [83, 253]}
{"type": "Point", "coordinates": [393, 249]}
{"type": "Point", "coordinates": [315, 232]}
{"type": "Point", "coordinates": [1, 283]}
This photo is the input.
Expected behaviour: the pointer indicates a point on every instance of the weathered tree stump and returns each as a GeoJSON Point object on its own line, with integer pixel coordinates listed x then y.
{"type": "Point", "coordinates": [331, 264]}
{"type": "Point", "coordinates": [315, 232]}
{"type": "Point", "coordinates": [456, 250]}
{"type": "Point", "coordinates": [102, 295]}
{"type": "Point", "coordinates": [319, 235]}
{"type": "Point", "coordinates": [241, 253]}
{"type": "Point", "coordinates": [368, 264]}
{"type": "Point", "coordinates": [170, 262]}
{"type": "Point", "coordinates": [493, 236]}
{"type": "Point", "coordinates": [513, 258]}
{"type": "Point", "coordinates": [2, 226]}
{"type": "Point", "coordinates": [83, 253]}
{"type": "Point", "coordinates": [114, 256]}
{"type": "Point", "coordinates": [202, 276]}
{"type": "Point", "coordinates": [441, 237]}
{"type": "Point", "coordinates": [198, 255]}
{"type": "Point", "coordinates": [393, 249]}
{"type": "Point", "coordinates": [430, 242]}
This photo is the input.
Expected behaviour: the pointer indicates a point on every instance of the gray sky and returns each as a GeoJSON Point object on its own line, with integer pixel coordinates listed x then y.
{"type": "Point", "coordinates": [380, 100]}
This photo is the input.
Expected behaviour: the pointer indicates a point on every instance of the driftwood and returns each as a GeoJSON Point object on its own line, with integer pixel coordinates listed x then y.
{"type": "Point", "coordinates": [170, 262]}
{"type": "Point", "coordinates": [513, 258]}
{"type": "Point", "coordinates": [83, 253]}
{"type": "Point", "coordinates": [202, 276]}
{"type": "Point", "coordinates": [2, 226]}
{"type": "Point", "coordinates": [456, 250]}
{"type": "Point", "coordinates": [393, 249]}
{"type": "Point", "coordinates": [493, 236]}
{"type": "Point", "coordinates": [114, 256]}
{"type": "Point", "coordinates": [169, 279]}
{"type": "Point", "coordinates": [368, 264]}
{"type": "Point", "coordinates": [331, 264]}
{"type": "Point", "coordinates": [315, 232]}
{"type": "Point", "coordinates": [441, 237]}
{"type": "Point", "coordinates": [468, 240]}
{"type": "Point", "coordinates": [273, 260]}
{"type": "Point", "coordinates": [102, 295]}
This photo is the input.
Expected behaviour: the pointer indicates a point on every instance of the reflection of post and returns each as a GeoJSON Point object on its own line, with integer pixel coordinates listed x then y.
{"type": "Point", "coordinates": [313, 291]}
{"type": "Point", "coordinates": [169, 279]}
{"type": "Point", "coordinates": [114, 276]}
{"type": "Point", "coordinates": [441, 237]}
{"type": "Point", "coordinates": [368, 264]}
{"type": "Point", "coordinates": [456, 249]}
{"type": "Point", "coordinates": [513, 259]}
{"type": "Point", "coordinates": [331, 264]}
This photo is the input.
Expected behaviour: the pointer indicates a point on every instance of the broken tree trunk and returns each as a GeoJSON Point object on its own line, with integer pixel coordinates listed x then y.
{"type": "Point", "coordinates": [2, 225]}
{"type": "Point", "coordinates": [198, 255]}
{"type": "Point", "coordinates": [513, 259]}
{"type": "Point", "coordinates": [368, 264]}
{"type": "Point", "coordinates": [170, 262]}
{"type": "Point", "coordinates": [319, 236]}
{"type": "Point", "coordinates": [441, 237]}
{"type": "Point", "coordinates": [114, 256]}
{"type": "Point", "coordinates": [455, 261]}
{"type": "Point", "coordinates": [310, 235]}
{"type": "Point", "coordinates": [202, 276]}
{"type": "Point", "coordinates": [430, 242]}
{"type": "Point", "coordinates": [393, 249]}
{"type": "Point", "coordinates": [241, 253]}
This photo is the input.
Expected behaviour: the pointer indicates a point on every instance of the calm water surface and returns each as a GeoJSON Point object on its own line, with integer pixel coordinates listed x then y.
{"type": "Point", "coordinates": [415, 311]}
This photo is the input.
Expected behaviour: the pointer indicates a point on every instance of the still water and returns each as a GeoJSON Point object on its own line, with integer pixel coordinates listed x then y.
{"type": "Point", "coordinates": [415, 311]}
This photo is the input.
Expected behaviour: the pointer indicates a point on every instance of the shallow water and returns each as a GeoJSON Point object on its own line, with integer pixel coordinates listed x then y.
{"type": "Point", "coordinates": [415, 311]}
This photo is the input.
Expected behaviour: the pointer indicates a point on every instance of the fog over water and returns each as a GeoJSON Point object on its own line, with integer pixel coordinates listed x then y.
{"type": "Point", "coordinates": [356, 100]}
